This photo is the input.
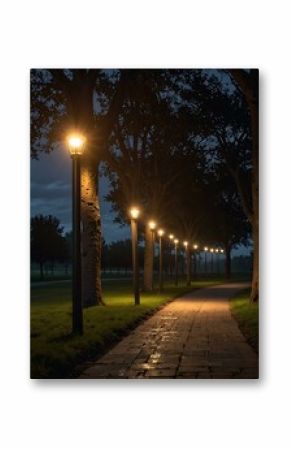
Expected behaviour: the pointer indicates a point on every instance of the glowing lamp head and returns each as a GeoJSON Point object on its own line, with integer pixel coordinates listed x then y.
{"type": "Point", "coordinates": [185, 244]}
{"type": "Point", "coordinates": [152, 225]}
{"type": "Point", "coordinates": [171, 236]}
{"type": "Point", "coordinates": [222, 250]}
{"type": "Point", "coordinates": [176, 241]}
{"type": "Point", "coordinates": [76, 144]}
{"type": "Point", "coordinates": [216, 250]}
{"type": "Point", "coordinates": [205, 248]}
{"type": "Point", "coordinates": [160, 232]}
{"type": "Point", "coordinates": [195, 246]}
{"type": "Point", "coordinates": [211, 250]}
{"type": "Point", "coordinates": [134, 213]}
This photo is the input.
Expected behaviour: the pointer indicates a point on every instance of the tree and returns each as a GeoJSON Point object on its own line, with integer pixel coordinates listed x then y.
{"type": "Point", "coordinates": [88, 101]}
{"type": "Point", "coordinates": [248, 83]}
{"type": "Point", "coordinates": [47, 241]}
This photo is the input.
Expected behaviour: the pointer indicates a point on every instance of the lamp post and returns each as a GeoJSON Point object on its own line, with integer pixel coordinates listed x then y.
{"type": "Point", "coordinates": [134, 214]}
{"type": "Point", "coordinates": [152, 226]}
{"type": "Point", "coordinates": [211, 262]}
{"type": "Point", "coordinates": [217, 261]}
{"type": "Point", "coordinates": [176, 260]}
{"type": "Point", "coordinates": [187, 252]}
{"type": "Point", "coordinates": [160, 234]}
{"type": "Point", "coordinates": [221, 251]}
{"type": "Point", "coordinates": [205, 262]}
{"type": "Point", "coordinates": [76, 145]}
{"type": "Point", "coordinates": [195, 248]}
{"type": "Point", "coordinates": [171, 238]}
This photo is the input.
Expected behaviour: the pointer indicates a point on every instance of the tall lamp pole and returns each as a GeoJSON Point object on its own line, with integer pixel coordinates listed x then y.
{"type": "Point", "coordinates": [221, 251]}
{"type": "Point", "coordinates": [160, 234]}
{"type": "Point", "coordinates": [217, 261]}
{"type": "Point", "coordinates": [211, 262]}
{"type": "Point", "coordinates": [176, 260]}
{"type": "Point", "coordinates": [195, 248]}
{"type": "Point", "coordinates": [134, 214]}
{"type": "Point", "coordinates": [152, 226]}
{"type": "Point", "coordinates": [188, 268]}
{"type": "Point", "coordinates": [76, 147]}
{"type": "Point", "coordinates": [205, 264]}
{"type": "Point", "coordinates": [171, 238]}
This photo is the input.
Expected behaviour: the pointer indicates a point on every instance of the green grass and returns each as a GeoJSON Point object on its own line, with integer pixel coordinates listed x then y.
{"type": "Point", "coordinates": [55, 353]}
{"type": "Point", "coordinates": [247, 316]}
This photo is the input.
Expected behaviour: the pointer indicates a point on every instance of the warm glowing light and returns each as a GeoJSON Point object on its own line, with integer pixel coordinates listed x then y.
{"type": "Point", "coordinates": [171, 236]}
{"type": "Point", "coordinates": [222, 250]}
{"type": "Point", "coordinates": [211, 250]}
{"type": "Point", "coordinates": [205, 248]}
{"type": "Point", "coordinates": [134, 212]}
{"type": "Point", "coordinates": [216, 250]}
{"type": "Point", "coordinates": [195, 246]}
{"type": "Point", "coordinates": [152, 225]}
{"type": "Point", "coordinates": [185, 244]}
{"type": "Point", "coordinates": [76, 144]}
{"type": "Point", "coordinates": [176, 241]}
{"type": "Point", "coordinates": [160, 232]}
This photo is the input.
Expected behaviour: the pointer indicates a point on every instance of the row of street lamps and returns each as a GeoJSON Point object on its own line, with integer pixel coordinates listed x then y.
{"type": "Point", "coordinates": [134, 215]}
{"type": "Point", "coordinates": [76, 145]}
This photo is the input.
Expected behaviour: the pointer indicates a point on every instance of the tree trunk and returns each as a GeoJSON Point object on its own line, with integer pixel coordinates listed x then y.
{"type": "Point", "coordinates": [148, 260]}
{"type": "Point", "coordinates": [255, 275]}
{"type": "Point", "coordinates": [255, 199]}
{"type": "Point", "coordinates": [228, 263]}
{"type": "Point", "coordinates": [91, 235]}
{"type": "Point", "coordinates": [250, 88]}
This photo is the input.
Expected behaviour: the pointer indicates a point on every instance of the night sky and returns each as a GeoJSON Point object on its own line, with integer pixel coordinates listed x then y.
{"type": "Point", "coordinates": [51, 195]}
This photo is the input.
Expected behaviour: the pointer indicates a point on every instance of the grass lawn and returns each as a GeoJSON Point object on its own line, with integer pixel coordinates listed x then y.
{"type": "Point", "coordinates": [55, 353]}
{"type": "Point", "coordinates": [247, 316]}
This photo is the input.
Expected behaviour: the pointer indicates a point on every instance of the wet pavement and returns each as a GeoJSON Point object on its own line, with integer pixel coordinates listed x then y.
{"type": "Point", "coordinates": [194, 336]}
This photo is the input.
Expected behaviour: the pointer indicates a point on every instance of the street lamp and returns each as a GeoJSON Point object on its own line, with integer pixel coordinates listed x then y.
{"type": "Point", "coordinates": [211, 264]}
{"type": "Point", "coordinates": [76, 144]}
{"type": "Point", "coordinates": [134, 214]}
{"type": "Point", "coordinates": [152, 227]}
{"type": "Point", "coordinates": [176, 241]}
{"type": "Point", "coordinates": [160, 234]}
{"type": "Point", "coordinates": [171, 238]}
{"type": "Point", "coordinates": [205, 265]}
{"type": "Point", "coordinates": [217, 261]}
{"type": "Point", "coordinates": [188, 267]}
{"type": "Point", "coordinates": [195, 247]}
{"type": "Point", "coordinates": [222, 251]}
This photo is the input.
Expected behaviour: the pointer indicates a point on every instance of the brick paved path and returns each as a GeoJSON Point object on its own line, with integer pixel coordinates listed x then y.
{"type": "Point", "coordinates": [194, 336]}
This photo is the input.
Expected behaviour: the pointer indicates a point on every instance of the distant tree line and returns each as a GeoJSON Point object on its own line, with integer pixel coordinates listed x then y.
{"type": "Point", "coordinates": [49, 245]}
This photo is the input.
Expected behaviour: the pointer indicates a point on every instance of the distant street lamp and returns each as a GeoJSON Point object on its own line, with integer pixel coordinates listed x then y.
{"type": "Point", "coordinates": [188, 267]}
{"type": "Point", "coordinates": [217, 261]}
{"type": "Point", "coordinates": [211, 264]}
{"type": "Point", "coordinates": [171, 238]}
{"type": "Point", "coordinates": [160, 234]}
{"type": "Point", "coordinates": [134, 214]}
{"type": "Point", "coordinates": [176, 260]}
{"type": "Point", "coordinates": [195, 247]}
{"type": "Point", "coordinates": [152, 227]}
{"type": "Point", "coordinates": [205, 262]}
{"type": "Point", "coordinates": [76, 144]}
{"type": "Point", "coordinates": [222, 251]}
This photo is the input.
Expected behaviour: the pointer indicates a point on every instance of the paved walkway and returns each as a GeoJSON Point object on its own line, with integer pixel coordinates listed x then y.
{"type": "Point", "coordinates": [195, 336]}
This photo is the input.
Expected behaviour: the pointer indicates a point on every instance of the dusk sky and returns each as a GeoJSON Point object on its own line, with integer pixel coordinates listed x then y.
{"type": "Point", "coordinates": [51, 194]}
